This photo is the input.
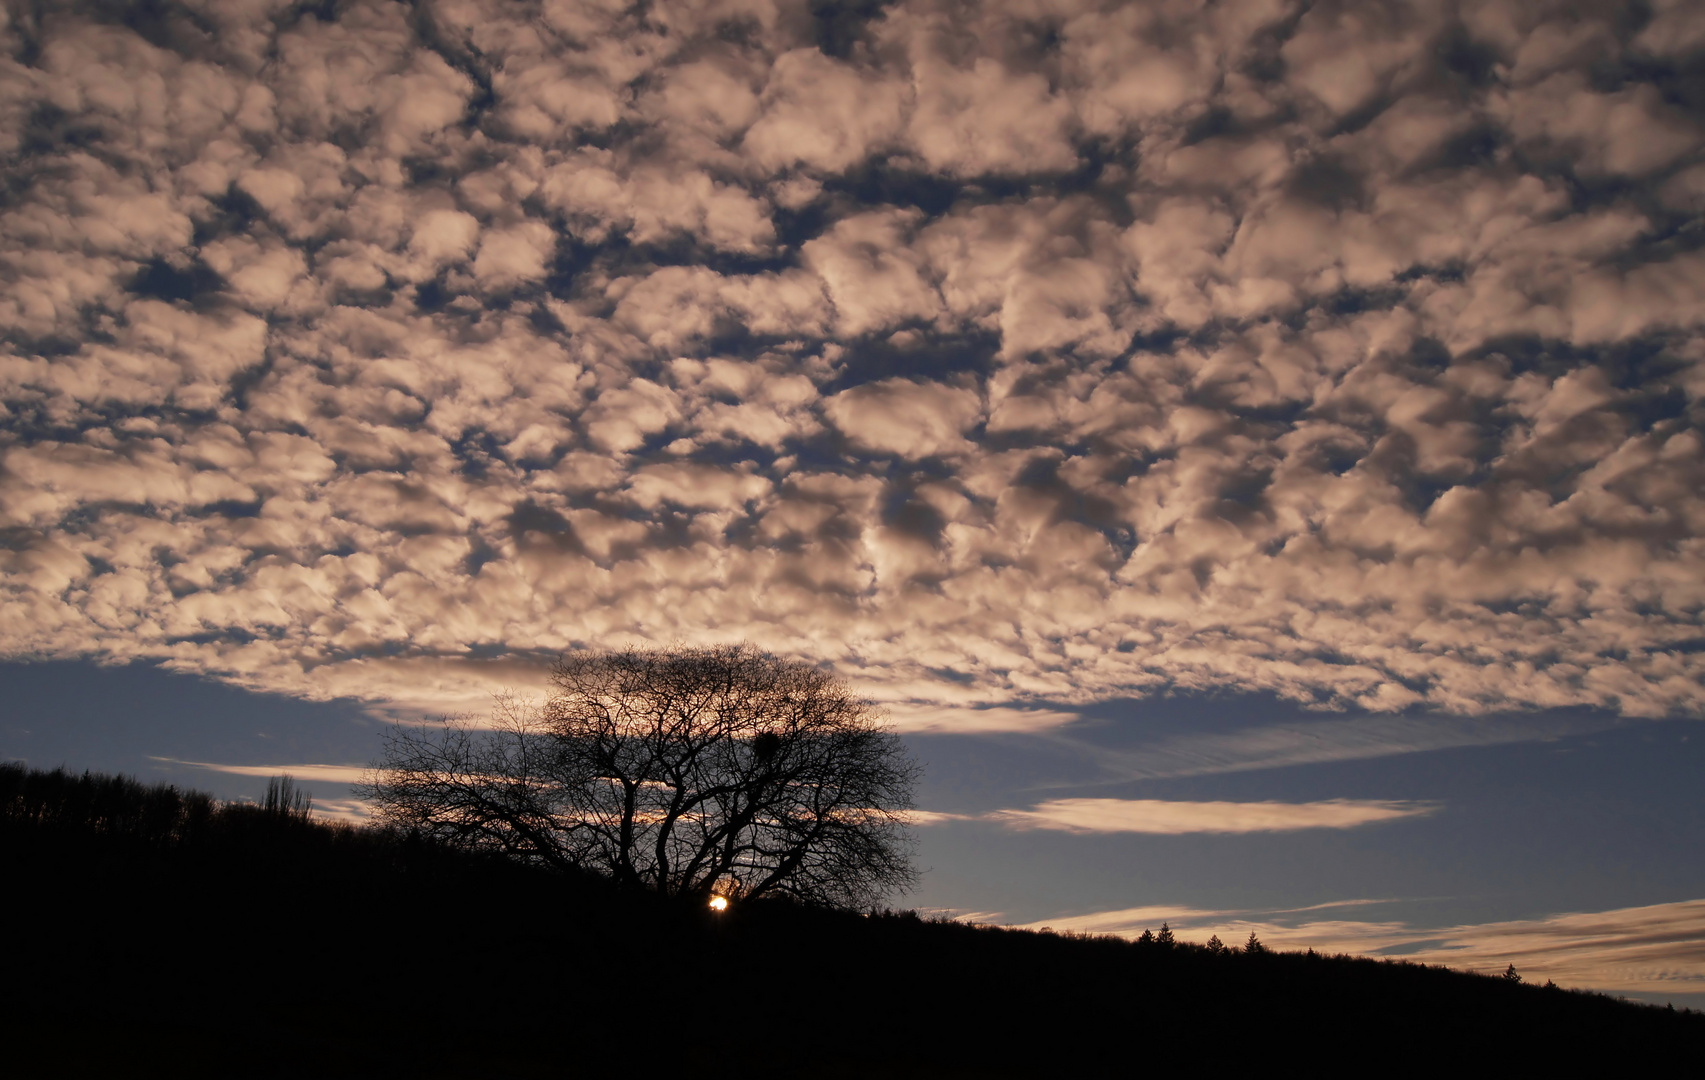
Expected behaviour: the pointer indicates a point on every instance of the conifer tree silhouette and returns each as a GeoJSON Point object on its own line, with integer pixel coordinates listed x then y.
{"type": "Point", "coordinates": [1215, 945]}
{"type": "Point", "coordinates": [1147, 938]}
{"type": "Point", "coordinates": [1253, 945]}
{"type": "Point", "coordinates": [1510, 974]}
{"type": "Point", "coordinates": [1165, 936]}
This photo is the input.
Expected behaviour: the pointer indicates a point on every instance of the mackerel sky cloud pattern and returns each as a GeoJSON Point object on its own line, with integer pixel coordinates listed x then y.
{"type": "Point", "coordinates": [995, 353]}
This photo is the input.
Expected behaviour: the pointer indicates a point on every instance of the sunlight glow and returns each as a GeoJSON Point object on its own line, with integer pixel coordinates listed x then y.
{"type": "Point", "coordinates": [719, 903]}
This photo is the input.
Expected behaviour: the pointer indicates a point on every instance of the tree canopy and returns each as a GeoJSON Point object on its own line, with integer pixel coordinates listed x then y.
{"type": "Point", "coordinates": [685, 770]}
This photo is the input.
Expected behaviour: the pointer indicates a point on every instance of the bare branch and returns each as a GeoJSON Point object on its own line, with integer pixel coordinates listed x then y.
{"type": "Point", "coordinates": [682, 770]}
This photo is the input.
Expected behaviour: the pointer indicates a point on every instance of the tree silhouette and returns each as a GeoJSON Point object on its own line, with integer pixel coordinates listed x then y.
{"type": "Point", "coordinates": [1510, 974]}
{"type": "Point", "coordinates": [1165, 936]}
{"type": "Point", "coordinates": [285, 800]}
{"type": "Point", "coordinates": [1253, 946]}
{"type": "Point", "coordinates": [687, 771]}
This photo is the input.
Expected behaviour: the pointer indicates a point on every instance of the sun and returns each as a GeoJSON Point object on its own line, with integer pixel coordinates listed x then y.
{"type": "Point", "coordinates": [719, 903]}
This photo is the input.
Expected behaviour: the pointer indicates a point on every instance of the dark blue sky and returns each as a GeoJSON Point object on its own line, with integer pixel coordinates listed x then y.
{"type": "Point", "coordinates": [1596, 815]}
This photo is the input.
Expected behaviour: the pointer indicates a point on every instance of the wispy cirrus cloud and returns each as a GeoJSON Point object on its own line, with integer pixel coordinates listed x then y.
{"type": "Point", "coordinates": [1070, 354]}
{"type": "Point", "coordinates": [1655, 949]}
{"type": "Point", "coordinates": [1177, 817]}
{"type": "Point", "coordinates": [1280, 745]}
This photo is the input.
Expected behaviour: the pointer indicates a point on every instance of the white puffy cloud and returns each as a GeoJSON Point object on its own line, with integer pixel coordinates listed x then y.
{"type": "Point", "coordinates": [544, 99]}
{"type": "Point", "coordinates": [1343, 54]}
{"type": "Point", "coordinates": [705, 97]}
{"type": "Point", "coordinates": [997, 359]}
{"type": "Point", "coordinates": [514, 255]}
{"type": "Point", "coordinates": [986, 119]}
{"type": "Point", "coordinates": [822, 113]}
{"type": "Point", "coordinates": [1135, 65]}
{"type": "Point", "coordinates": [700, 486]}
{"type": "Point", "coordinates": [653, 204]}
{"type": "Point", "coordinates": [871, 273]}
{"type": "Point", "coordinates": [1631, 132]}
{"type": "Point", "coordinates": [365, 69]}
{"type": "Point", "coordinates": [621, 418]}
{"type": "Point", "coordinates": [444, 236]}
{"type": "Point", "coordinates": [898, 416]}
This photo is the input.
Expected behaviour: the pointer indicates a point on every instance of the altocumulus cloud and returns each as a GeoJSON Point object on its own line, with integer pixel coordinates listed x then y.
{"type": "Point", "coordinates": [992, 353]}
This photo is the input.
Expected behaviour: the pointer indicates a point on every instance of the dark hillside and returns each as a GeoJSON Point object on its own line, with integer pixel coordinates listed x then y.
{"type": "Point", "coordinates": [158, 933]}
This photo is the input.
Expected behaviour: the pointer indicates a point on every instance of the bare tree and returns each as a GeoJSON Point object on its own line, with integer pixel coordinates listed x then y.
{"type": "Point", "coordinates": [285, 800]}
{"type": "Point", "coordinates": [689, 771]}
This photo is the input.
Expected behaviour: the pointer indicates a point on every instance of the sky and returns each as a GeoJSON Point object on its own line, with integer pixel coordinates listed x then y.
{"type": "Point", "coordinates": [1252, 450]}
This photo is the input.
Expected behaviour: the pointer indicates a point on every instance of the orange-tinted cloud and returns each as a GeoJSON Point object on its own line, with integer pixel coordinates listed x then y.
{"type": "Point", "coordinates": [1172, 818]}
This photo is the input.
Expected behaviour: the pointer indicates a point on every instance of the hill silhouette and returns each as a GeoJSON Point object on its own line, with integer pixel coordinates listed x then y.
{"type": "Point", "coordinates": [162, 933]}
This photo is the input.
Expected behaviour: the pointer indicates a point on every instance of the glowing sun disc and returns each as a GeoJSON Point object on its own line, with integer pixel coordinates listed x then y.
{"type": "Point", "coordinates": [719, 903]}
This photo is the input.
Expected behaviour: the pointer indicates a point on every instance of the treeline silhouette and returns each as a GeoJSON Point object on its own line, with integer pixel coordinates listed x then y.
{"type": "Point", "coordinates": [158, 932]}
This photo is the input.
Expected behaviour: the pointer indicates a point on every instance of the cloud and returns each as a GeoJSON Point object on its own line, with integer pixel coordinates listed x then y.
{"type": "Point", "coordinates": [1655, 949]}
{"type": "Point", "coordinates": [902, 417]}
{"type": "Point", "coordinates": [511, 256]}
{"type": "Point", "coordinates": [989, 357]}
{"type": "Point", "coordinates": [938, 720]}
{"type": "Point", "coordinates": [1279, 745]}
{"type": "Point", "coordinates": [870, 272]}
{"type": "Point", "coordinates": [1173, 818]}
{"type": "Point", "coordinates": [696, 485]}
{"type": "Point", "coordinates": [444, 235]}
{"type": "Point", "coordinates": [332, 774]}
{"type": "Point", "coordinates": [985, 119]}
{"type": "Point", "coordinates": [1629, 133]}
{"type": "Point", "coordinates": [822, 113]}
{"type": "Point", "coordinates": [653, 205]}
{"type": "Point", "coordinates": [354, 811]}
{"type": "Point", "coordinates": [960, 914]}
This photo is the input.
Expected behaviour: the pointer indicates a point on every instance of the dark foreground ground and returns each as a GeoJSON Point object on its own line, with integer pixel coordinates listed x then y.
{"type": "Point", "coordinates": [152, 934]}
